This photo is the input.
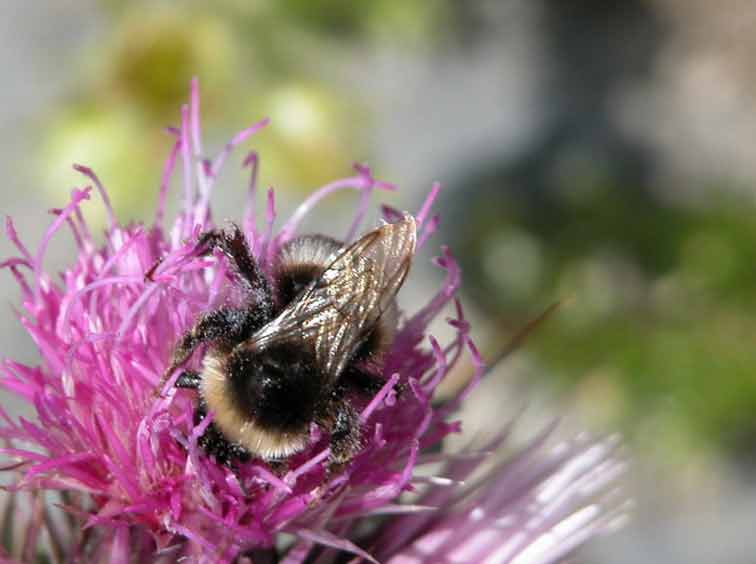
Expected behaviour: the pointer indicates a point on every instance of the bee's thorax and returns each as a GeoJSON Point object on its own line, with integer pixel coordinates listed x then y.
{"type": "Point", "coordinates": [237, 426]}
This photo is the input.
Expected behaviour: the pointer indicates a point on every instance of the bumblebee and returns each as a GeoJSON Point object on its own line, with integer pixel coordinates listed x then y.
{"type": "Point", "coordinates": [299, 346]}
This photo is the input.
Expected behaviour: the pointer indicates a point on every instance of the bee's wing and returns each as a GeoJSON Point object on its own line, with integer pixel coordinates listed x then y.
{"type": "Point", "coordinates": [339, 309]}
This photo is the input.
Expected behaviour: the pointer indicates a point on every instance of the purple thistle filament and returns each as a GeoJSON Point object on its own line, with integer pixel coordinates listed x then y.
{"type": "Point", "coordinates": [127, 466]}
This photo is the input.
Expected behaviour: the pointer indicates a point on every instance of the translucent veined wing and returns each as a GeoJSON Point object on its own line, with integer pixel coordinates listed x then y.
{"type": "Point", "coordinates": [340, 308]}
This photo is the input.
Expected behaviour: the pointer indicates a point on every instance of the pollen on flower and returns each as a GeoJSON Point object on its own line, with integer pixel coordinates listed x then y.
{"type": "Point", "coordinates": [127, 464]}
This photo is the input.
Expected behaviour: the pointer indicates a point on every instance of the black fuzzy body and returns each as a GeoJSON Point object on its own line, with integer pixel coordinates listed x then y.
{"type": "Point", "coordinates": [282, 388]}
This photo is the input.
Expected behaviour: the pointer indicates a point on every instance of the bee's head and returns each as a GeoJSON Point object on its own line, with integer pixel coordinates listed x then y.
{"type": "Point", "coordinates": [278, 387]}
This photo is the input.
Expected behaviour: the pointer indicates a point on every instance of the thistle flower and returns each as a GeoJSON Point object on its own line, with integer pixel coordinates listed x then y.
{"type": "Point", "coordinates": [126, 467]}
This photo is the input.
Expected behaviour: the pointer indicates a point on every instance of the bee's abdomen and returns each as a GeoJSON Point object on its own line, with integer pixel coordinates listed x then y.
{"type": "Point", "coordinates": [299, 262]}
{"type": "Point", "coordinates": [292, 282]}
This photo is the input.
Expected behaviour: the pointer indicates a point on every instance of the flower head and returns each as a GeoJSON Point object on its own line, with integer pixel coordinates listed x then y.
{"type": "Point", "coordinates": [127, 463]}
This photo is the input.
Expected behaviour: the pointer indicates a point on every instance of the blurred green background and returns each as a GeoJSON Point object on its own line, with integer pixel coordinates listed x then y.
{"type": "Point", "coordinates": [604, 151]}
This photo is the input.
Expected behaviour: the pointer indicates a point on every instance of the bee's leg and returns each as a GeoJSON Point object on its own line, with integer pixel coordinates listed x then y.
{"type": "Point", "coordinates": [189, 380]}
{"type": "Point", "coordinates": [345, 437]}
{"type": "Point", "coordinates": [225, 324]}
{"type": "Point", "coordinates": [215, 444]}
{"type": "Point", "coordinates": [343, 422]}
{"type": "Point", "coordinates": [234, 246]}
